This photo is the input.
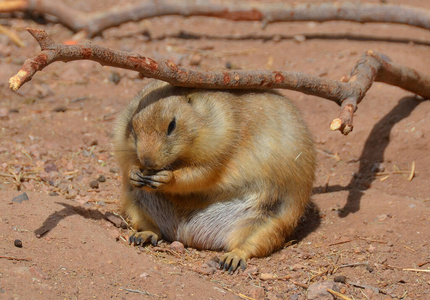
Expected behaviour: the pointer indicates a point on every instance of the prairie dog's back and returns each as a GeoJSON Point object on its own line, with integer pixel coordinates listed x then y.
{"type": "Point", "coordinates": [266, 138]}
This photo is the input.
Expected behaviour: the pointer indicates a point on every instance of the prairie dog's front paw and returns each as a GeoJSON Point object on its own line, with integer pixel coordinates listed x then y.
{"type": "Point", "coordinates": [137, 177]}
{"type": "Point", "coordinates": [157, 179]}
{"type": "Point", "coordinates": [152, 179]}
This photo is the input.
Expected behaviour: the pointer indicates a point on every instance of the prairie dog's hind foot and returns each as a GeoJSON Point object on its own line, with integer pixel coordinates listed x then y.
{"type": "Point", "coordinates": [143, 237]}
{"type": "Point", "coordinates": [231, 261]}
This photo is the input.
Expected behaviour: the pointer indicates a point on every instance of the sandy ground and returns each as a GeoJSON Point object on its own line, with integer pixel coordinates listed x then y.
{"type": "Point", "coordinates": [368, 224]}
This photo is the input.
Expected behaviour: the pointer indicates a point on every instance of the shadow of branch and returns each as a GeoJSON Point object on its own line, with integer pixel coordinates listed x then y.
{"type": "Point", "coordinates": [54, 219]}
{"type": "Point", "coordinates": [373, 153]}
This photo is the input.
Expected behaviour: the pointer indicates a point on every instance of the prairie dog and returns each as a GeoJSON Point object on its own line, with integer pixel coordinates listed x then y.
{"type": "Point", "coordinates": [214, 169]}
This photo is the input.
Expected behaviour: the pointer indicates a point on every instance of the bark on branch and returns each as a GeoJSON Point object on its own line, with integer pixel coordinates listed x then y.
{"type": "Point", "coordinates": [94, 23]}
{"type": "Point", "coordinates": [347, 93]}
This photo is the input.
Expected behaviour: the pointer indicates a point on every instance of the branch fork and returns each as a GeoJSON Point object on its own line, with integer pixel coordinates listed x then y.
{"type": "Point", "coordinates": [348, 92]}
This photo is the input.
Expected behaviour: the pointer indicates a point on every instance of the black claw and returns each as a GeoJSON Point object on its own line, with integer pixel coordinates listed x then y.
{"type": "Point", "coordinates": [143, 182]}
{"type": "Point", "coordinates": [231, 269]}
{"type": "Point", "coordinates": [140, 175]}
{"type": "Point", "coordinates": [138, 241]}
{"type": "Point", "coordinates": [149, 183]}
{"type": "Point", "coordinates": [131, 239]}
{"type": "Point", "coordinates": [226, 266]}
{"type": "Point", "coordinates": [138, 183]}
{"type": "Point", "coordinates": [243, 265]}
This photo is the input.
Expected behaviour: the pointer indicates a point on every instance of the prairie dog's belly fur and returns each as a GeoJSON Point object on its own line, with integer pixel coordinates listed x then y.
{"type": "Point", "coordinates": [204, 228]}
{"type": "Point", "coordinates": [228, 170]}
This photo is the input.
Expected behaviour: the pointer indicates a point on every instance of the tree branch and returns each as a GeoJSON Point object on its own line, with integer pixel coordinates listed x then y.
{"type": "Point", "coordinates": [347, 93]}
{"type": "Point", "coordinates": [94, 23]}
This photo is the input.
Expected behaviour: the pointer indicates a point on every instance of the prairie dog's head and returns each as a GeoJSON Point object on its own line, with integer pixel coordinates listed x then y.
{"type": "Point", "coordinates": [165, 127]}
{"type": "Point", "coordinates": [163, 132]}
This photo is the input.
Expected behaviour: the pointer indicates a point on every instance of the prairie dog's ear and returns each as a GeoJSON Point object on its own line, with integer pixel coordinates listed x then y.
{"type": "Point", "coordinates": [190, 99]}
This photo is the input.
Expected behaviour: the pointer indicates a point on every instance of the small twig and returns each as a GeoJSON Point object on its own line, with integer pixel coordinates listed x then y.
{"type": "Point", "coordinates": [7, 175]}
{"type": "Point", "coordinates": [175, 273]}
{"type": "Point", "coordinates": [303, 285]}
{"type": "Point", "coordinates": [371, 241]}
{"type": "Point", "coordinates": [393, 267]}
{"type": "Point", "coordinates": [362, 286]}
{"type": "Point", "coordinates": [384, 178]}
{"type": "Point", "coordinates": [318, 274]}
{"type": "Point", "coordinates": [409, 248]}
{"type": "Point", "coordinates": [287, 277]}
{"type": "Point", "coordinates": [411, 176]}
{"type": "Point", "coordinates": [79, 99]}
{"type": "Point", "coordinates": [166, 250]}
{"type": "Point", "coordinates": [156, 254]}
{"type": "Point", "coordinates": [104, 200]}
{"type": "Point", "coordinates": [139, 292]}
{"type": "Point", "coordinates": [124, 220]}
{"type": "Point", "coordinates": [337, 294]}
{"type": "Point", "coordinates": [391, 173]}
{"type": "Point", "coordinates": [423, 264]}
{"type": "Point", "coordinates": [416, 270]}
{"type": "Point", "coordinates": [14, 176]}
{"type": "Point", "coordinates": [17, 178]}
{"type": "Point", "coordinates": [353, 265]}
{"type": "Point", "coordinates": [27, 154]}
{"type": "Point", "coordinates": [289, 243]}
{"type": "Point", "coordinates": [71, 172]}
{"type": "Point", "coordinates": [327, 183]}
{"type": "Point", "coordinates": [238, 294]}
{"type": "Point", "coordinates": [341, 242]}
{"type": "Point", "coordinates": [361, 291]}
{"type": "Point", "coordinates": [15, 258]}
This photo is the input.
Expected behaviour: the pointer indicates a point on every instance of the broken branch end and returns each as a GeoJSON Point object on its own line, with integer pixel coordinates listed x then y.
{"type": "Point", "coordinates": [341, 125]}
{"type": "Point", "coordinates": [15, 82]}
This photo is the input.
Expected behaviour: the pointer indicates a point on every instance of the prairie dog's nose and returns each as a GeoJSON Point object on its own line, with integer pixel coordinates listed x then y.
{"type": "Point", "coordinates": [148, 163]}
{"type": "Point", "coordinates": [148, 153]}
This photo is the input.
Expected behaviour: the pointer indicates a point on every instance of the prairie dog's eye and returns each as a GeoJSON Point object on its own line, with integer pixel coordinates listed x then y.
{"type": "Point", "coordinates": [172, 126]}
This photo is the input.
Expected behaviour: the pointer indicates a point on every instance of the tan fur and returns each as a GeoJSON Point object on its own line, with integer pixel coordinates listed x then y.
{"type": "Point", "coordinates": [235, 173]}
